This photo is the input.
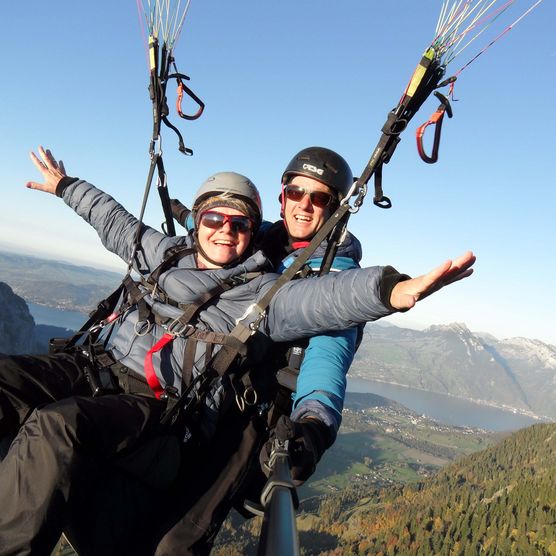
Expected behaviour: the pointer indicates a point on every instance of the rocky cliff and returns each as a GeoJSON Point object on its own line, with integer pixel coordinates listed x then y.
{"type": "Point", "coordinates": [17, 327]}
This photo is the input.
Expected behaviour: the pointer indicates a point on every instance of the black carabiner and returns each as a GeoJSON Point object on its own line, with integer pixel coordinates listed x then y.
{"type": "Point", "coordinates": [436, 120]}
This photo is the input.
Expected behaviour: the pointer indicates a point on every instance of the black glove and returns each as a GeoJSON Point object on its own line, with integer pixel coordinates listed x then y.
{"type": "Point", "coordinates": [307, 441]}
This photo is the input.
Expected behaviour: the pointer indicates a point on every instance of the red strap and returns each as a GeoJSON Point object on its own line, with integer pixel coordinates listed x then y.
{"type": "Point", "coordinates": [300, 244]}
{"type": "Point", "coordinates": [150, 375]}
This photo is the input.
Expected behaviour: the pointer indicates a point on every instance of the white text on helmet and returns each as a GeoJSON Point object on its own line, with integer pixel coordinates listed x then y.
{"type": "Point", "coordinates": [312, 168]}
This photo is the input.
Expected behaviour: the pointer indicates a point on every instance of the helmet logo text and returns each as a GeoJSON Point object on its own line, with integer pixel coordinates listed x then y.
{"type": "Point", "coordinates": [312, 168]}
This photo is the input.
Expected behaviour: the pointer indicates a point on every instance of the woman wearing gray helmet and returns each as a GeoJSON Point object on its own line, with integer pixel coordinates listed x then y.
{"type": "Point", "coordinates": [224, 193]}
{"type": "Point", "coordinates": [66, 445]}
{"type": "Point", "coordinates": [226, 214]}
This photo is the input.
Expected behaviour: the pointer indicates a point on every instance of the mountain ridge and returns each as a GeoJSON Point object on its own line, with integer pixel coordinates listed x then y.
{"type": "Point", "coordinates": [516, 374]}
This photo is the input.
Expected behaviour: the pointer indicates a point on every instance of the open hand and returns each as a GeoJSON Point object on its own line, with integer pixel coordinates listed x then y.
{"type": "Point", "coordinates": [405, 294]}
{"type": "Point", "coordinates": [52, 171]}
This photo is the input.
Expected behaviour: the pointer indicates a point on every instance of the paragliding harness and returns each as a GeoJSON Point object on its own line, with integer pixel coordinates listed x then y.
{"type": "Point", "coordinates": [235, 344]}
{"type": "Point", "coordinates": [236, 341]}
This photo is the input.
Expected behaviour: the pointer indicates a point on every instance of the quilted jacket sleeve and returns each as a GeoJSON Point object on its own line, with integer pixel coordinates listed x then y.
{"type": "Point", "coordinates": [116, 227]}
{"type": "Point", "coordinates": [304, 308]}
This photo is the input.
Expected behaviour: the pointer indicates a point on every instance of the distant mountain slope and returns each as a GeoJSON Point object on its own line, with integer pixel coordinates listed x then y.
{"type": "Point", "coordinates": [498, 501]}
{"type": "Point", "coordinates": [56, 284]}
{"type": "Point", "coordinates": [18, 332]}
{"type": "Point", "coordinates": [16, 323]}
{"type": "Point", "coordinates": [514, 373]}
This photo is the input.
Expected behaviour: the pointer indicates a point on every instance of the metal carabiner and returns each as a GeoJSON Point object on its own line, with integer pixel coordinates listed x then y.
{"type": "Point", "coordinates": [178, 328]}
{"type": "Point", "coordinates": [181, 88]}
{"type": "Point", "coordinates": [142, 327]}
{"type": "Point", "coordinates": [105, 322]}
{"type": "Point", "coordinates": [436, 120]}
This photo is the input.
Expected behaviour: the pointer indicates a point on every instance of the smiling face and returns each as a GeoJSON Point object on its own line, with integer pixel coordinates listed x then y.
{"type": "Point", "coordinates": [302, 218]}
{"type": "Point", "coordinates": [222, 245]}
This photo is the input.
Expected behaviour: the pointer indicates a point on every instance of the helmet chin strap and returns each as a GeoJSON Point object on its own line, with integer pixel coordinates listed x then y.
{"type": "Point", "coordinates": [282, 200]}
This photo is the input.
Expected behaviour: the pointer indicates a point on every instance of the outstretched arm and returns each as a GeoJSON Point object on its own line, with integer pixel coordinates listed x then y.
{"type": "Point", "coordinates": [116, 227]}
{"type": "Point", "coordinates": [304, 308]}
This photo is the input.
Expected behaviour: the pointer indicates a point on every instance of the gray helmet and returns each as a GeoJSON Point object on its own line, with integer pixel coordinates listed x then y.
{"type": "Point", "coordinates": [323, 165]}
{"type": "Point", "coordinates": [233, 185]}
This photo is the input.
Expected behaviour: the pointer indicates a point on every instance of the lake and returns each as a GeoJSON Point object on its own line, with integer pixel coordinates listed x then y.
{"type": "Point", "coordinates": [444, 409]}
{"type": "Point", "coordinates": [57, 317]}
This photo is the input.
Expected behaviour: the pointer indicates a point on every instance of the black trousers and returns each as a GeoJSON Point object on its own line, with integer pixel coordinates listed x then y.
{"type": "Point", "coordinates": [68, 448]}
{"type": "Point", "coordinates": [28, 382]}
{"type": "Point", "coordinates": [101, 469]}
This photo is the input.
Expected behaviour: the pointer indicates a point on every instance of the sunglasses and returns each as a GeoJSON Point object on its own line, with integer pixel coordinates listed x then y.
{"type": "Point", "coordinates": [320, 199]}
{"type": "Point", "coordinates": [215, 220]}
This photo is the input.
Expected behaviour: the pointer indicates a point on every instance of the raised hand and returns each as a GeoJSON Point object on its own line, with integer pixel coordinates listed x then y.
{"type": "Point", "coordinates": [52, 171]}
{"type": "Point", "coordinates": [405, 294]}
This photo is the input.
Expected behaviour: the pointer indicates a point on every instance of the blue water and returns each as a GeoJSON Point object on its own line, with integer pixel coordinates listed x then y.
{"type": "Point", "coordinates": [444, 409]}
{"type": "Point", "coordinates": [57, 317]}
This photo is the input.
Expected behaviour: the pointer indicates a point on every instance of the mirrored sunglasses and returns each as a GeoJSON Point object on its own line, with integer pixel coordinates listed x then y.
{"type": "Point", "coordinates": [320, 199]}
{"type": "Point", "coordinates": [215, 220]}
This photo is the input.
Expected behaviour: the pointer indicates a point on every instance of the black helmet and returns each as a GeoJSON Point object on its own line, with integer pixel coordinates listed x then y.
{"type": "Point", "coordinates": [323, 165]}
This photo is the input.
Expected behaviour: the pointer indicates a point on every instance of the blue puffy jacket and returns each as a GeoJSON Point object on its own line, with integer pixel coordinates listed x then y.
{"type": "Point", "coordinates": [321, 383]}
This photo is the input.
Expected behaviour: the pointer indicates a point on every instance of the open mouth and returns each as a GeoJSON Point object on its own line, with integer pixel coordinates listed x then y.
{"type": "Point", "coordinates": [224, 243]}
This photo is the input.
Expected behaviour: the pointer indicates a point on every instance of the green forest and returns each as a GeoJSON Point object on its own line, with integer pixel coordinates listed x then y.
{"type": "Point", "coordinates": [499, 501]}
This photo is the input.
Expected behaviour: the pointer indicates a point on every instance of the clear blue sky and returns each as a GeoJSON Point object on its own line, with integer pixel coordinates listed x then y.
{"type": "Point", "coordinates": [280, 76]}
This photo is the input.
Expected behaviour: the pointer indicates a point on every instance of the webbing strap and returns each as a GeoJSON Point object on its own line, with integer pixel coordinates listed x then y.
{"type": "Point", "coordinates": [173, 255]}
{"type": "Point", "coordinates": [150, 374]}
{"type": "Point", "coordinates": [103, 310]}
{"type": "Point", "coordinates": [303, 257]}
{"type": "Point", "coordinates": [162, 187]}
{"type": "Point", "coordinates": [191, 309]}
{"type": "Point", "coordinates": [188, 362]}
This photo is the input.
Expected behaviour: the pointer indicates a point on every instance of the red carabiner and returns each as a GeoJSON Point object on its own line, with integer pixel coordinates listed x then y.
{"type": "Point", "coordinates": [193, 96]}
{"type": "Point", "coordinates": [436, 120]}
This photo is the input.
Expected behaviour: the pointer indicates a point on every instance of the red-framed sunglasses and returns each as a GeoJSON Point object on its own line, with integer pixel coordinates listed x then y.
{"type": "Point", "coordinates": [320, 199]}
{"type": "Point", "coordinates": [214, 220]}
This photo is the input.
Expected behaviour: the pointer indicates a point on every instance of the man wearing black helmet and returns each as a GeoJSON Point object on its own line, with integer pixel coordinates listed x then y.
{"type": "Point", "coordinates": [313, 184]}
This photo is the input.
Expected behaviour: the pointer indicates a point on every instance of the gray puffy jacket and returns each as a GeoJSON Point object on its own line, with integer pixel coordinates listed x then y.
{"type": "Point", "coordinates": [301, 308]}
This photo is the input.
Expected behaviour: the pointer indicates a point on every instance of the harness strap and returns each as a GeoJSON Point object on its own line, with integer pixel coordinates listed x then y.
{"type": "Point", "coordinates": [103, 310]}
{"type": "Point", "coordinates": [188, 362]}
{"type": "Point", "coordinates": [297, 264]}
{"type": "Point", "coordinates": [150, 374]}
{"type": "Point", "coordinates": [191, 309]}
{"type": "Point", "coordinates": [129, 381]}
{"type": "Point", "coordinates": [173, 255]}
{"type": "Point", "coordinates": [162, 186]}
